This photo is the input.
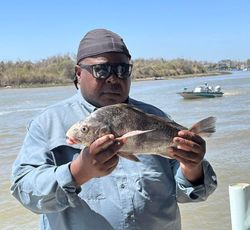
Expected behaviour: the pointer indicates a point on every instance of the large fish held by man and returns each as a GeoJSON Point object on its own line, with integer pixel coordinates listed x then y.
{"type": "Point", "coordinates": [143, 133]}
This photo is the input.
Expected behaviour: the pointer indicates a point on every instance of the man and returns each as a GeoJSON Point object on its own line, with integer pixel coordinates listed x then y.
{"type": "Point", "coordinates": [94, 188]}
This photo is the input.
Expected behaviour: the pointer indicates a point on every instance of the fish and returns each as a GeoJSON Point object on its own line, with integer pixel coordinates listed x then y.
{"type": "Point", "coordinates": [143, 133]}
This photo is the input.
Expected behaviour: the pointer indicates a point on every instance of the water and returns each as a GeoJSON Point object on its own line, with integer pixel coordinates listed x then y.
{"type": "Point", "coordinates": [227, 150]}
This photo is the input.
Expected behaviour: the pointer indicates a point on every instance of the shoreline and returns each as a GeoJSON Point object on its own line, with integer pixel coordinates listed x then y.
{"type": "Point", "coordinates": [133, 80]}
{"type": "Point", "coordinates": [183, 76]}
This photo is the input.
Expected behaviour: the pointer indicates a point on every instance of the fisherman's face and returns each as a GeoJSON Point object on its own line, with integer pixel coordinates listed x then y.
{"type": "Point", "coordinates": [101, 92]}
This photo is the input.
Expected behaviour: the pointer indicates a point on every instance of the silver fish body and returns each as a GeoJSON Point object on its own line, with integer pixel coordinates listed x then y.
{"type": "Point", "coordinates": [145, 133]}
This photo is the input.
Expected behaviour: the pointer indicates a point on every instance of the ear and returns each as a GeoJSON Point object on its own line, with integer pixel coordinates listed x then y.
{"type": "Point", "coordinates": [78, 72]}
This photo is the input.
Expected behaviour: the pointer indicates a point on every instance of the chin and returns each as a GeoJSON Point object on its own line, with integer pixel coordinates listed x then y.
{"type": "Point", "coordinates": [112, 100]}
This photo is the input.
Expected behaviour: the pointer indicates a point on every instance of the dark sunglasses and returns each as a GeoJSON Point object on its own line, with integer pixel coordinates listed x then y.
{"type": "Point", "coordinates": [103, 71]}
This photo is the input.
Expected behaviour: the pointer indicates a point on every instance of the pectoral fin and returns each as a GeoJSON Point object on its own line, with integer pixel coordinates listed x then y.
{"type": "Point", "coordinates": [123, 139]}
{"type": "Point", "coordinates": [134, 133]}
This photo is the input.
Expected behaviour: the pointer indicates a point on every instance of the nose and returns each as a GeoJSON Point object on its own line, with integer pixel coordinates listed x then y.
{"type": "Point", "coordinates": [112, 79]}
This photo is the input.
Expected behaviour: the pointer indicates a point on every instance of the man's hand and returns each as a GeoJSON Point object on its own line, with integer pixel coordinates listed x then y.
{"type": "Point", "coordinates": [190, 151]}
{"type": "Point", "coordinates": [97, 160]}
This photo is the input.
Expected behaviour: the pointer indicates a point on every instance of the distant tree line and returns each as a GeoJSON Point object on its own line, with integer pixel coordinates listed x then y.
{"type": "Point", "coordinates": [161, 68]}
{"type": "Point", "coordinates": [58, 70]}
{"type": "Point", "coordinates": [51, 71]}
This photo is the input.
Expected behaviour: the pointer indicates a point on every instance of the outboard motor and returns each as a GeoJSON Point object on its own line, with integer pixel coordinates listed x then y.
{"type": "Point", "coordinates": [217, 88]}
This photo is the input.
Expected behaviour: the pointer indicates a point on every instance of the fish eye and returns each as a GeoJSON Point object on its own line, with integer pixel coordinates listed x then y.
{"type": "Point", "coordinates": [85, 129]}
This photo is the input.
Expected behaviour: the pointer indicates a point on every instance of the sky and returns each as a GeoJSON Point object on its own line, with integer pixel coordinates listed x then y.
{"type": "Point", "coordinates": [201, 30]}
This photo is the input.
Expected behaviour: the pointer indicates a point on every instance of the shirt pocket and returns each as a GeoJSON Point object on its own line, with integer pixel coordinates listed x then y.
{"type": "Point", "coordinates": [155, 182]}
{"type": "Point", "coordinates": [92, 190]}
{"type": "Point", "coordinates": [155, 186]}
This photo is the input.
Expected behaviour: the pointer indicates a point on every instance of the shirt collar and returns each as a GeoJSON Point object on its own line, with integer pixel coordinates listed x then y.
{"type": "Point", "coordinates": [89, 107]}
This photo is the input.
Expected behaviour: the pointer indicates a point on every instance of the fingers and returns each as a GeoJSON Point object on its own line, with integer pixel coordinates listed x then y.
{"type": "Point", "coordinates": [189, 148]}
{"type": "Point", "coordinates": [185, 157]}
{"type": "Point", "coordinates": [111, 164]}
{"type": "Point", "coordinates": [105, 155]}
{"type": "Point", "coordinates": [101, 144]}
{"type": "Point", "coordinates": [121, 139]}
{"type": "Point", "coordinates": [99, 159]}
{"type": "Point", "coordinates": [190, 141]}
{"type": "Point", "coordinates": [104, 148]}
{"type": "Point", "coordinates": [187, 145]}
{"type": "Point", "coordinates": [191, 136]}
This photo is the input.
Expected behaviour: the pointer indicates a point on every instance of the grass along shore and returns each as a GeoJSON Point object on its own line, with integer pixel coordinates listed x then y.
{"type": "Point", "coordinates": [135, 80]}
{"type": "Point", "coordinates": [59, 70]}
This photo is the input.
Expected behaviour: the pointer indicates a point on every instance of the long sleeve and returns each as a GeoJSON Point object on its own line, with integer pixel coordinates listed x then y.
{"type": "Point", "coordinates": [186, 191]}
{"type": "Point", "coordinates": [38, 183]}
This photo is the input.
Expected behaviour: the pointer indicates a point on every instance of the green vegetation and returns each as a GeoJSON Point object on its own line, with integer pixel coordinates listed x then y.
{"type": "Point", "coordinates": [52, 71]}
{"type": "Point", "coordinates": [59, 70]}
{"type": "Point", "coordinates": [160, 68]}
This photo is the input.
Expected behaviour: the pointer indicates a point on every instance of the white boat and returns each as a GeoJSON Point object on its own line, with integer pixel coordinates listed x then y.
{"type": "Point", "coordinates": [203, 91]}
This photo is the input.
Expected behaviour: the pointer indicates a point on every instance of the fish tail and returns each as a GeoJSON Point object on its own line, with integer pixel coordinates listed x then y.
{"type": "Point", "coordinates": [204, 127]}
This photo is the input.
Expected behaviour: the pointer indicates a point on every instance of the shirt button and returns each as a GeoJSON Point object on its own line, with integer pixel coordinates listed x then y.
{"type": "Point", "coordinates": [122, 185]}
{"type": "Point", "coordinates": [132, 216]}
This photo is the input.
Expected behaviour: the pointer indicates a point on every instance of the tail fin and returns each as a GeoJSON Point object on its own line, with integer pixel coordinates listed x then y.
{"type": "Point", "coordinates": [204, 127]}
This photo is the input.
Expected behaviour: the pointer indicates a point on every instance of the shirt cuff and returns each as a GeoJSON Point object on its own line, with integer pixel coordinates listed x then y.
{"type": "Point", "coordinates": [67, 184]}
{"type": "Point", "coordinates": [197, 192]}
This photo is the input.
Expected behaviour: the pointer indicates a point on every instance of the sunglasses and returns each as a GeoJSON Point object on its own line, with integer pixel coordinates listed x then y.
{"type": "Point", "coordinates": [104, 70]}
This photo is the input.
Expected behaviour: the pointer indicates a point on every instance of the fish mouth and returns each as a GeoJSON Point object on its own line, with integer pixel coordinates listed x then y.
{"type": "Point", "coordinates": [72, 141]}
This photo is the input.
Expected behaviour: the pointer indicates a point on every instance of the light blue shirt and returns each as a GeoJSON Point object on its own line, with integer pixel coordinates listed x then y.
{"type": "Point", "coordinates": [136, 195]}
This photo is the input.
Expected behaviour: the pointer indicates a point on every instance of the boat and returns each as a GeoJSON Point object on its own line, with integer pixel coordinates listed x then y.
{"type": "Point", "coordinates": [203, 91]}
